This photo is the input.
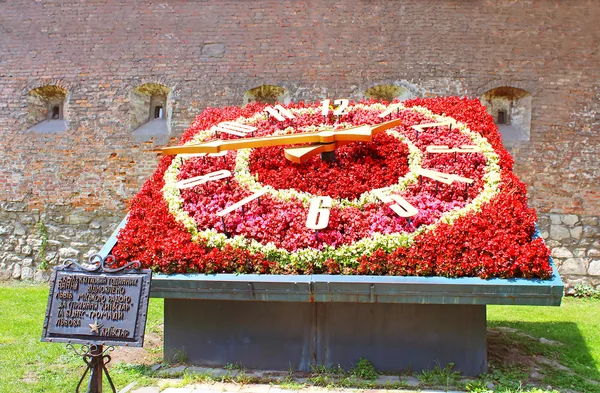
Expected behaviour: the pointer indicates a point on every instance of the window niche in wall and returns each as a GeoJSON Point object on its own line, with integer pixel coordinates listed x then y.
{"type": "Point", "coordinates": [388, 93]}
{"type": "Point", "coordinates": [46, 109]}
{"type": "Point", "coordinates": [266, 94]}
{"type": "Point", "coordinates": [511, 109]}
{"type": "Point", "coordinates": [151, 111]}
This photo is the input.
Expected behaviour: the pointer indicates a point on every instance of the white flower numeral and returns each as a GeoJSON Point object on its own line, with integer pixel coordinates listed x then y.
{"type": "Point", "coordinates": [233, 128]}
{"type": "Point", "coordinates": [390, 109]}
{"type": "Point", "coordinates": [195, 181]}
{"type": "Point", "coordinates": [342, 105]}
{"type": "Point", "coordinates": [446, 149]}
{"type": "Point", "coordinates": [237, 205]}
{"type": "Point", "coordinates": [402, 207]}
{"type": "Point", "coordinates": [279, 112]}
{"type": "Point", "coordinates": [446, 178]}
{"type": "Point", "coordinates": [318, 214]}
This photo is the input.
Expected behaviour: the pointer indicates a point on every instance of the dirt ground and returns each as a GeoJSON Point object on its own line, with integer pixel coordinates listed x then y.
{"type": "Point", "coordinates": [502, 351]}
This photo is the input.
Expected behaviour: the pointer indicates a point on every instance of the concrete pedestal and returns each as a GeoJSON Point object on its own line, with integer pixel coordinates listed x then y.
{"type": "Point", "coordinates": [283, 335]}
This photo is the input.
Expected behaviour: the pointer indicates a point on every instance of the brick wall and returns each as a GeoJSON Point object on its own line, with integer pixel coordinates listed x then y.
{"type": "Point", "coordinates": [210, 53]}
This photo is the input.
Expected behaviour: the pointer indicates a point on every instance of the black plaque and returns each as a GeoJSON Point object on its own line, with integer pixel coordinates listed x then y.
{"type": "Point", "coordinates": [97, 305]}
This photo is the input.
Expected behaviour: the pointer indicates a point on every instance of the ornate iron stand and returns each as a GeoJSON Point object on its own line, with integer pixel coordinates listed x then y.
{"type": "Point", "coordinates": [68, 316]}
{"type": "Point", "coordinates": [96, 357]}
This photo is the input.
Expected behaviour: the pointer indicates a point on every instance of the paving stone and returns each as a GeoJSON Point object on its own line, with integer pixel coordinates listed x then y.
{"type": "Point", "coordinates": [172, 371]}
{"type": "Point", "coordinates": [178, 390]}
{"type": "Point", "coordinates": [412, 382]}
{"type": "Point", "coordinates": [387, 379]}
{"type": "Point", "coordinates": [255, 388]}
{"type": "Point", "coordinates": [148, 389]}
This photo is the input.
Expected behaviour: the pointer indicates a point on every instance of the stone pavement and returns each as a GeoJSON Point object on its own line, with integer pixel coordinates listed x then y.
{"type": "Point", "coordinates": [222, 380]}
{"type": "Point", "coordinates": [219, 387]}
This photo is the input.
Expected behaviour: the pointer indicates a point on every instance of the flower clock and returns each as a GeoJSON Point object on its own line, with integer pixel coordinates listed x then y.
{"type": "Point", "coordinates": [422, 187]}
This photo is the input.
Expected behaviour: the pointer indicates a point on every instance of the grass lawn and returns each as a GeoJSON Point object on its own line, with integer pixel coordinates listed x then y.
{"type": "Point", "coordinates": [575, 325]}
{"type": "Point", "coordinates": [567, 356]}
{"type": "Point", "coordinates": [28, 365]}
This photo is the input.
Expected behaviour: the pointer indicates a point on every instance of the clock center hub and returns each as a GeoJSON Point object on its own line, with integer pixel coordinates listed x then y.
{"type": "Point", "coordinates": [357, 168]}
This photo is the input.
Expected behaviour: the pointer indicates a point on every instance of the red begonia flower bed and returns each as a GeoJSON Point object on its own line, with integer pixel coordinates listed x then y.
{"type": "Point", "coordinates": [484, 229]}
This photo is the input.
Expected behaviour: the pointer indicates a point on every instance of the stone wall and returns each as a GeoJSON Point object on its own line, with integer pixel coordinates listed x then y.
{"type": "Point", "coordinates": [77, 182]}
{"type": "Point", "coordinates": [575, 243]}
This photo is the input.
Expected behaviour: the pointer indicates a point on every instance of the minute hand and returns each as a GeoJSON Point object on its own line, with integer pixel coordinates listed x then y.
{"type": "Point", "coordinates": [362, 133]}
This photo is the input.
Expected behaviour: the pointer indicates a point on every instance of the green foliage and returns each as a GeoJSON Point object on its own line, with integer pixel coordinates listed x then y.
{"type": "Point", "coordinates": [43, 232]}
{"type": "Point", "coordinates": [575, 326]}
{"type": "Point", "coordinates": [364, 370]}
{"type": "Point", "coordinates": [28, 365]}
{"type": "Point", "coordinates": [440, 376]}
{"type": "Point", "coordinates": [586, 291]}
{"type": "Point", "coordinates": [477, 386]}
{"type": "Point", "coordinates": [180, 356]}
{"type": "Point", "coordinates": [236, 366]}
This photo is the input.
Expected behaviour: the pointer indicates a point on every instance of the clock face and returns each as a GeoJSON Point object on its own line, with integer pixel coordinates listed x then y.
{"type": "Point", "coordinates": [365, 188]}
{"type": "Point", "coordinates": [373, 195]}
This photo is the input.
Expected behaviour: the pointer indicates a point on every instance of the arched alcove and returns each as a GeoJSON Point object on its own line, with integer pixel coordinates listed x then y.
{"type": "Point", "coordinates": [388, 92]}
{"type": "Point", "coordinates": [46, 109]}
{"type": "Point", "coordinates": [266, 94]}
{"type": "Point", "coordinates": [151, 110]}
{"type": "Point", "coordinates": [511, 109]}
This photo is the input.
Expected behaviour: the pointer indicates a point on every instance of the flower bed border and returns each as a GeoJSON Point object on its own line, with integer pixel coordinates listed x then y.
{"type": "Point", "coordinates": [360, 289]}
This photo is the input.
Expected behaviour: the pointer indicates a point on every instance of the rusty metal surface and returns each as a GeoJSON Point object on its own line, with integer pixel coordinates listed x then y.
{"type": "Point", "coordinates": [97, 303]}
{"type": "Point", "coordinates": [359, 289]}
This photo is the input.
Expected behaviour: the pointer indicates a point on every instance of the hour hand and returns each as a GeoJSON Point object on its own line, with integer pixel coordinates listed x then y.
{"type": "Point", "coordinates": [317, 139]}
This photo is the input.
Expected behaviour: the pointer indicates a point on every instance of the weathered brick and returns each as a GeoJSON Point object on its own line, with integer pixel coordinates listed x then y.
{"type": "Point", "coordinates": [210, 56]}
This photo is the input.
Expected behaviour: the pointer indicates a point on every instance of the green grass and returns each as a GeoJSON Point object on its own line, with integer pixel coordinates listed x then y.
{"type": "Point", "coordinates": [576, 324]}
{"type": "Point", "coordinates": [28, 365]}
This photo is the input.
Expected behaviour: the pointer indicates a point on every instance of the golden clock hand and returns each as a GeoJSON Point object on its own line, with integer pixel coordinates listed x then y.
{"type": "Point", "coordinates": [301, 154]}
{"type": "Point", "coordinates": [361, 133]}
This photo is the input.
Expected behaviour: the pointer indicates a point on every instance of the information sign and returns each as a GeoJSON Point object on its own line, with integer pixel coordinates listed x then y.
{"type": "Point", "coordinates": [97, 306]}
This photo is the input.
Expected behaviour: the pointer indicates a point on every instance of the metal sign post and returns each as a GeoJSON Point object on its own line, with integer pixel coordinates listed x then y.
{"type": "Point", "coordinates": [99, 305]}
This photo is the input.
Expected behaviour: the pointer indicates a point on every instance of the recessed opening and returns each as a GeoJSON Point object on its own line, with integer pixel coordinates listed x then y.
{"type": "Point", "coordinates": [511, 109]}
{"type": "Point", "coordinates": [266, 94]}
{"type": "Point", "coordinates": [55, 112]}
{"type": "Point", "coordinates": [46, 109]}
{"type": "Point", "coordinates": [501, 119]}
{"type": "Point", "coordinates": [151, 110]}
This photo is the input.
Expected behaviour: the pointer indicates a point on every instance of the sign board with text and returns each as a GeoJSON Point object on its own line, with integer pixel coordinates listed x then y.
{"type": "Point", "coordinates": [97, 308]}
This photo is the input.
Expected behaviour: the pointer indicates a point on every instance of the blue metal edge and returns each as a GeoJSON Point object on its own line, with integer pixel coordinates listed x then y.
{"type": "Point", "coordinates": [361, 289]}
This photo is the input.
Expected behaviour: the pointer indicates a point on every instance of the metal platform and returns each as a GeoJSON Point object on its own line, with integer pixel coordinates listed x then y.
{"type": "Point", "coordinates": [280, 322]}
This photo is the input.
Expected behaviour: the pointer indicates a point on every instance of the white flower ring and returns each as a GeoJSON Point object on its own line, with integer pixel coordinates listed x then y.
{"type": "Point", "coordinates": [344, 254]}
